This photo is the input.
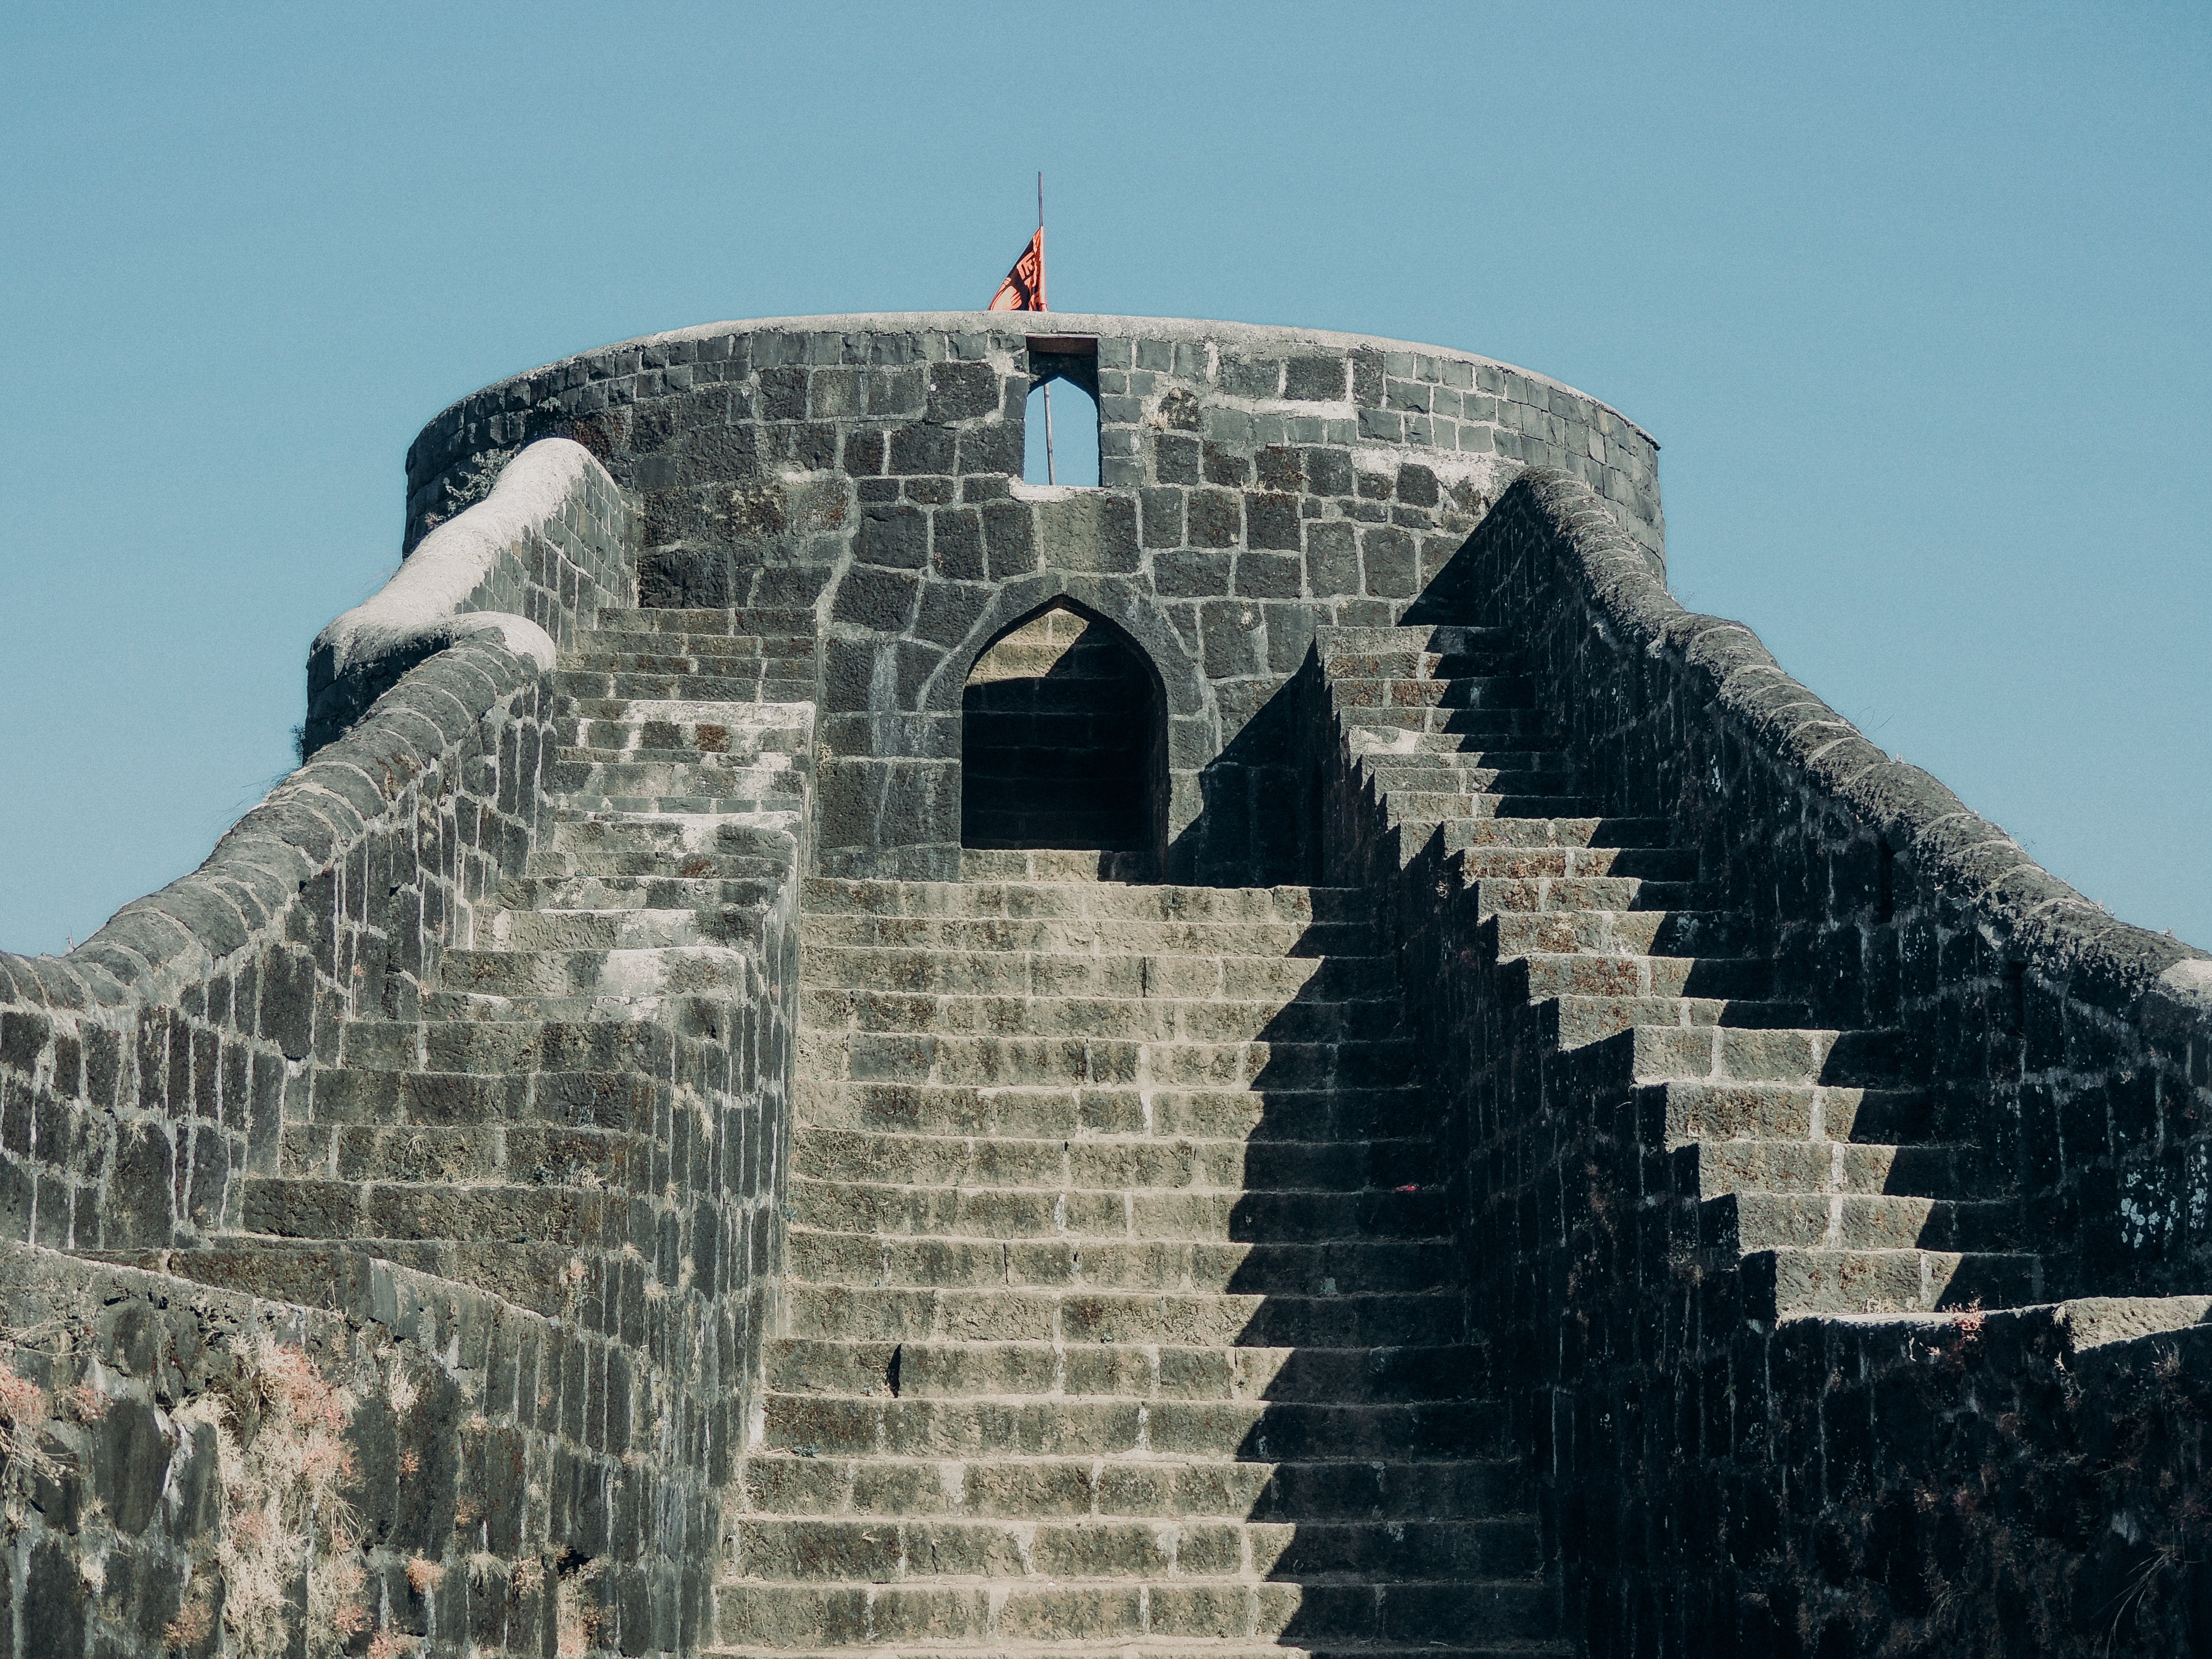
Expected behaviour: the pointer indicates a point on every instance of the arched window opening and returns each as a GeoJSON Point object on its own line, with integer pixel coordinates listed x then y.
{"type": "Point", "coordinates": [1064, 740]}
{"type": "Point", "coordinates": [1074, 435]}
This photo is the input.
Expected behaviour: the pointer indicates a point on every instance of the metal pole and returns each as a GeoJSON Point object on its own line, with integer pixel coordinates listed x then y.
{"type": "Point", "coordinates": [1050, 477]}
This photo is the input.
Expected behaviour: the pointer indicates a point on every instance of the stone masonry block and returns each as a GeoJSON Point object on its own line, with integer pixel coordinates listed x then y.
{"type": "Point", "coordinates": [1163, 516]}
{"type": "Point", "coordinates": [1176, 458]}
{"type": "Point", "coordinates": [1272, 521]}
{"type": "Point", "coordinates": [1216, 517]}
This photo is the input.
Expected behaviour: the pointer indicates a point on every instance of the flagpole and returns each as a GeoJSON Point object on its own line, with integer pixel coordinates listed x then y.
{"type": "Point", "coordinates": [1049, 478]}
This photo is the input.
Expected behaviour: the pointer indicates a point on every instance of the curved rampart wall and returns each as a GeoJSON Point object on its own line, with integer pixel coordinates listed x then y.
{"type": "Point", "coordinates": [531, 563]}
{"type": "Point", "coordinates": [1256, 483]}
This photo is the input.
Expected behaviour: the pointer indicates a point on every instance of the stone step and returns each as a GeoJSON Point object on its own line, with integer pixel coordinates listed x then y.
{"type": "Point", "coordinates": [1425, 636]}
{"type": "Point", "coordinates": [344, 1098]}
{"type": "Point", "coordinates": [1781, 1284]}
{"type": "Point", "coordinates": [785, 1615]}
{"type": "Point", "coordinates": [555, 1281]}
{"type": "Point", "coordinates": [1751, 1221]}
{"type": "Point", "coordinates": [1505, 727]}
{"type": "Point", "coordinates": [731, 723]}
{"type": "Point", "coordinates": [1958, 1169]}
{"type": "Point", "coordinates": [1340, 1267]}
{"type": "Point", "coordinates": [773, 683]}
{"type": "Point", "coordinates": [1649, 1054]}
{"type": "Point", "coordinates": [1386, 754]}
{"type": "Point", "coordinates": [1446, 755]}
{"type": "Point", "coordinates": [1517, 737]}
{"type": "Point", "coordinates": [726, 659]}
{"type": "Point", "coordinates": [895, 1313]}
{"type": "Point", "coordinates": [1468, 691]}
{"type": "Point", "coordinates": [835, 1548]}
{"type": "Point", "coordinates": [1538, 975]}
{"type": "Point", "coordinates": [614, 859]}
{"type": "Point", "coordinates": [1044, 1061]}
{"type": "Point", "coordinates": [674, 834]}
{"type": "Point", "coordinates": [1506, 893]}
{"type": "Point", "coordinates": [1136, 1164]}
{"type": "Point", "coordinates": [789, 805]}
{"type": "Point", "coordinates": [1027, 1426]}
{"type": "Point", "coordinates": [707, 795]}
{"type": "Point", "coordinates": [1198, 1019]}
{"type": "Point", "coordinates": [490, 1213]}
{"type": "Point", "coordinates": [1419, 806]}
{"type": "Point", "coordinates": [1092, 936]}
{"type": "Point", "coordinates": [698, 844]}
{"type": "Point", "coordinates": [765, 620]}
{"type": "Point", "coordinates": [688, 723]}
{"type": "Point", "coordinates": [644, 743]}
{"type": "Point", "coordinates": [1575, 1022]}
{"type": "Point", "coordinates": [1506, 863]}
{"type": "Point", "coordinates": [1162, 975]}
{"type": "Point", "coordinates": [1056, 863]}
{"type": "Point", "coordinates": [786, 771]}
{"type": "Point", "coordinates": [622, 639]}
{"type": "Point", "coordinates": [1419, 784]}
{"type": "Point", "coordinates": [519, 895]}
{"type": "Point", "coordinates": [1589, 831]}
{"type": "Point", "coordinates": [706, 1012]}
{"type": "Point", "coordinates": [1620, 932]}
{"type": "Point", "coordinates": [657, 971]}
{"type": "Point", "coordinates": [574, 771]}
{"type": "Point", "coordinates": [1074, 1213]}
{"type": "Point", "coordinates": [1484, 658]}
{"type": "Point", "coordinates": [1326, 1488]}
{"type": "Point", "coordinates": [1725, 1115]}
{"type": "Point", "coordinates": [926, 1370]}
{"type": "Point", "coordinates": [1034, 901]}
{"type": "Point", "coordinates": [1066, 1112]}
{"type": "Point", "coordinates": [635, 928]}
{"type": "Point", "coordinates": [553, 1045]}
{"type": "Point", "coordinates": [496, 1150]}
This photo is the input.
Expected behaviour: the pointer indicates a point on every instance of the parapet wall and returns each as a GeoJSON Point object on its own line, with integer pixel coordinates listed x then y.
{"type": "Point", "coordinates": [148, 1071]}
{"type": "Point", "coordinates": [522, 1428]}
{"type": "Point", "coordinates": [1256, 484]}
{"type": "Point", "coordinates": [2074, 1048]}
{"type": "Point", "coordinates": [1717, 1476]}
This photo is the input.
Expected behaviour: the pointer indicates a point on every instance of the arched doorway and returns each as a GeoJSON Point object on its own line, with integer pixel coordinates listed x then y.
{"type": "Point", "coordinates": [1064, 740]}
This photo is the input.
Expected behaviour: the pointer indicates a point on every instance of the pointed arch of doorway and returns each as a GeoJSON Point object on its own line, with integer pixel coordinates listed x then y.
{"type": "Point", "coordinates": [1192, 724]}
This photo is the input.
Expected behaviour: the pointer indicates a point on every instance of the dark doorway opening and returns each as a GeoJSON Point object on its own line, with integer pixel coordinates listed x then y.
{"type": "Point", "coordinates": [1064, 739]}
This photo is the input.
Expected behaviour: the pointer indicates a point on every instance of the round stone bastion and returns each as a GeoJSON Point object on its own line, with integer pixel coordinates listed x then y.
{"type": "Point", "coordinates": [861, 477]}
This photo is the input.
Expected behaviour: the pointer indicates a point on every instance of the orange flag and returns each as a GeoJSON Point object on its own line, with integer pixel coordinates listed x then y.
{"type": "Point", "coordinates": [1024, 288]}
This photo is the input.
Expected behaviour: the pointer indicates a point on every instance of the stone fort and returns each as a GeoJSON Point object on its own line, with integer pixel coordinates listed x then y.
{"type": "Point", "coordinates": [833, 1051]}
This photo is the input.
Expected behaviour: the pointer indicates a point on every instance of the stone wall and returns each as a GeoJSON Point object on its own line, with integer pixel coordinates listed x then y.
{"type": "Point", "coordinates": [195, 1470]}
{"type": "Point", "coordinates": [146, 1074]}
{"type": "Point", "coordinates": [2076, 1049]}
{"type": "Point", "coordinates": [532, 561]}
{"type": "Point", "coordinates": [533, 1438]}
{"type": "Point", "coordinates": [1714, 1480]}
{"type": "Point", "coordinates": [1256, 484]}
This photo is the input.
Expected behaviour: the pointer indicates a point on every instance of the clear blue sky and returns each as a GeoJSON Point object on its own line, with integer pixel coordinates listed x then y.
{"type": "Point", "coordinates": [1913, 296]}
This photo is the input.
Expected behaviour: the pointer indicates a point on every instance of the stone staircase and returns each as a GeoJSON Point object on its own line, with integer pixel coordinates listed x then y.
{"type": "Point", "coordinates": [1118, 1308]}
{"type": "Point", "coordinates": [1121, 1314]}
{"type": "Point", "coordinates": [1812, 1157]}
{"type": "Point", "coordinates": [539, 1123]}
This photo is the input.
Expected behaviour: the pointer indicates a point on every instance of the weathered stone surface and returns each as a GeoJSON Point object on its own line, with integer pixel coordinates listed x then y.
{"type": "Point", "coordinates": [1694, 1188]}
